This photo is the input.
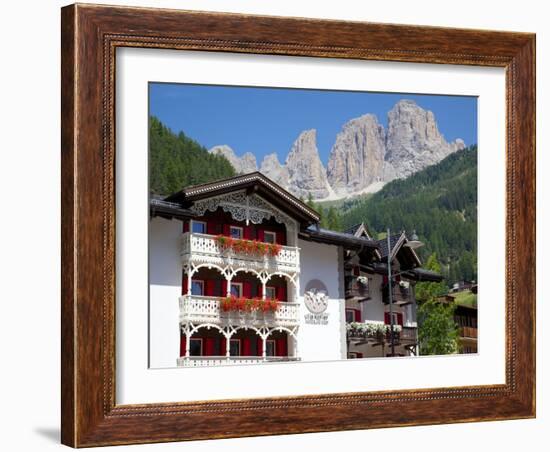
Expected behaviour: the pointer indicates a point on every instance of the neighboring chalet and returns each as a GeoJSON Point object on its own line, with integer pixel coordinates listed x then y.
{"type": "Point", "coordinates": [241, 272]}
{"type": "Point", "coordinates": [367, 298]}
{"type": "Point", "coordinates": [464, 297]}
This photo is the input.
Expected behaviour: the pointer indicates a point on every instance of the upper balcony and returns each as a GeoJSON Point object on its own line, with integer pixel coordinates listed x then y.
{"type": "Point", "coordinates": [207, 249]}
{"type": "Point", "coordinates": [205, 309]}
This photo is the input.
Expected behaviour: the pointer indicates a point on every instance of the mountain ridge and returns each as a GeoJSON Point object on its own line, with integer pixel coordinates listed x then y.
{"type": "Point", "coordinates": [365, 156]}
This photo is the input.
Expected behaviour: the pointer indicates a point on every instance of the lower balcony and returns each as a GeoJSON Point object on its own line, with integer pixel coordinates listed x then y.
{"type": "Point", "coordinates": [376, 332]}
{"type": "Point", "coordinates": [206, 309]}
{"type": "Point", "coordinates": [207, 361]}
{"type": "Point", "coordinates": [468, 332]}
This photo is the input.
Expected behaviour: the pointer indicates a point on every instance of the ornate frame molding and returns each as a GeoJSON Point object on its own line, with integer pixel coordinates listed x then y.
{"type": "Point", "coordinates": [90, 36]}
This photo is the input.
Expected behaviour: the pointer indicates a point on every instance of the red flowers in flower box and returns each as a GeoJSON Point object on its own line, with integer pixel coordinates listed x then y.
{"type": "Point", "coordinates": [243, 304]}
{"type": "Point", "coordinates": [248, 246]}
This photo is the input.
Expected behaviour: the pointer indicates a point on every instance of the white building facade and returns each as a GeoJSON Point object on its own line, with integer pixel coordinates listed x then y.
{"type": "Point", "coordinates": [240, 273]}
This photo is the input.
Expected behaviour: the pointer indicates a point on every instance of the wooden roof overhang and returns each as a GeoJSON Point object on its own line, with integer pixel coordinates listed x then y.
{"type": "Point", "coordinates": [252, 183]}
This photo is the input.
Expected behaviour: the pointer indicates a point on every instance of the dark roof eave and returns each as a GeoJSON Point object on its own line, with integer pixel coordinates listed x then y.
{"type": "Point", "coordinates": [160, 208]}
{"type": "Point", "coordinates": [337, 238]}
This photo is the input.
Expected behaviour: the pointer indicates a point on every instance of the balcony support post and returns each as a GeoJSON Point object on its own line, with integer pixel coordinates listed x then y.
{"type": "Point", "coordinates": [189, 281]}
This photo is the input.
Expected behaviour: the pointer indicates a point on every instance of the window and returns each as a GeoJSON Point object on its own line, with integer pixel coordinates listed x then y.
{"type": "Point", "coordinates": [237, 289]}
{"type": "Point", "coordinates": [270, 347]}
{"type": "Point", "coordinates": [395, 318]}
{"type": "Point", "coordinates": [270, 237]}
{"type": "Point", "coordinates": [350, 315]}
{"type": "Point", "coordinates": [270, 292]}
{"type": "Point", "coordinates": [195, 347]}
{"type": "Point", "coordinates": [198, 227]}
{"type": "Point", "coordinates": [197, 287]}
{"type": "Point", "coordinates": [235, 347]}
{"type": "Point", "coordinates": [236, 232]}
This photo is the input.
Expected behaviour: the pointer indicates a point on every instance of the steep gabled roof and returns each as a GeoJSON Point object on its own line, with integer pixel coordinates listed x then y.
{"type": "Point", "coordinates": [254, 183]}
{"type": "Point", "coordinates": [359, 230]}
{"type": "Point", "coordinates": [399, 250]}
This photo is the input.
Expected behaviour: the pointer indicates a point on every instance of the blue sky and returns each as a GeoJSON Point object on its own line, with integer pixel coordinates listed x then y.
{"type": "Point", "coordinates": [266, 120]}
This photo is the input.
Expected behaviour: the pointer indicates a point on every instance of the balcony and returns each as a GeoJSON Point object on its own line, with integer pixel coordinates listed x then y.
{"type": "Point", "coordinates": [207, 361]}
{"type": "Point", "coordinates": [205, 249]}
{"type": "Point", "coordinates": [378, 333]}
{"type": "Point", "coordinates": [356, 289]}
{"type": "Point", "coordinates": [401, 296]}
{"type": "Point", "coordinates": [204, 309]}
{"type": "Point", "coordinates": [468, 332]}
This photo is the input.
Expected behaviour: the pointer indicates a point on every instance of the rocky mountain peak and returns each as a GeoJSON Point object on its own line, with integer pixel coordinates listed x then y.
{"type": "Point", "coordinates": [306, 173]}
{"type": "Point", "coordinates": [242, 165]}
{"type": "Point", "coordinates": [357, 158]}
{"type": "Point", "coordinates": [272, 168]}
{"type": "Point", "coordinates": [413, 141]}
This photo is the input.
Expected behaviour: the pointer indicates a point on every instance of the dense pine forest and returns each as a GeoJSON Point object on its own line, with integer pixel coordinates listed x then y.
{"type": "Point", "coordinates": [440, 203]}
{"type": "Point", "coordinates": [176, 161]}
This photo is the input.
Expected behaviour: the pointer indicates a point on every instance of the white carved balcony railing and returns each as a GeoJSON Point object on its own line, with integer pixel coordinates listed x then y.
{"type": "Point", "coordinates": [203, 361]}
{"type": "Point", "coordinates": [204, 248]}
{"type": "Point", "coordinates": [203, 309]}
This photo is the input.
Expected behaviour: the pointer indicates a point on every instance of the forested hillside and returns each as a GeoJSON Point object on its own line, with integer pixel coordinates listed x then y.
{"type": "Point", "coordinates": [176, 161]}
{"type": "Point", "coordinates": [440, 203]}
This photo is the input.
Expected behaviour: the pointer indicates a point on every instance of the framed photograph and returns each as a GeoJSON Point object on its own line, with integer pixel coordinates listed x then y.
{"type": "Point", "coordinates": [282, 225]}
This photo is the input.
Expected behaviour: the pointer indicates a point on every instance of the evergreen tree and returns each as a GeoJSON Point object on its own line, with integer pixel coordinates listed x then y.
{"type": "Point", "coordinates": [176, 161]}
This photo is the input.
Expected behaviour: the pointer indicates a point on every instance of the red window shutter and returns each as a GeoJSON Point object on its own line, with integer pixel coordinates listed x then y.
{"type": "Point", "coordinates": [357, 313]}
{"type": "Point", "coordinates": [183, 343]}
{"type": "Point", "coordinates": [260, 346]}
{"type": "Point", "coordinates": [260, 290]}
{"type": "Point", "coordinates": [222, 346]}
{"type": "Point", "coordinates": [385, 279]}
{"type": "Point", "coordinates": [359, 355]}
{"type": "Point", "coordinates": [246, 346]}
{"type": "Point", "coordinates": [261, 235]}
{"type": "Point", "coordinates": [227, 230]}
{"type": "Point", "coordinates": [280, 237]}
{"type": "Point", "coordinates": [209, 346]}
{"type": "Point", "coordinates": [209, 287]}
{"type": "Point", "coordinates": [247, 289]}
{"type": "Point", "coordinates": [186, 226]}
{"type": "Point", "coordinates": [280, 347]}
{"type": "Point", "coordinates": [224, 288]}
{"type": "Point", "coordinates": [387, 318]}
{"type": "Point", "coordinates": [400, 318]}
{"type": "Point", "coordinates": [356, 271]}
{"type": "Point", "coordinates": [211, 227]}
{"type": "Point", "coordinates": [281, 293]}
{"type": "Point", "coordinates": [184, 285]}
{"type": "Point", "coordinates": [247, 232]}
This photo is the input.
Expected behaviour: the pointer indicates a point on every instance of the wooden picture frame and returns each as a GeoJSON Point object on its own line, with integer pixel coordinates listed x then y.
{"type": "Point", "coordinates": [90, 36]}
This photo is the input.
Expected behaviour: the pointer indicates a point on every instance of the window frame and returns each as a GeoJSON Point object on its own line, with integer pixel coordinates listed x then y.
{"type": "Point", "coordinates": [274, 288]}
{"type": "Point", "coordinates": [233, 341]}
{"type": "Point", "coordinates": [241, 230]}
{"type": "Point", "coordinates": [273, 234]}
{"type": "Point", "coordinates": [352, 311]}
{"type": "Point", "coordinates": [202, 283]}
{"type": "Point", "coordinates": [193, 222]}
{"type": "Point", "coordinates": [274, 342]}
{"type": "Point", "coordinates": [200, 339]}
{"type": "Point", "coordinates": [239, 284]}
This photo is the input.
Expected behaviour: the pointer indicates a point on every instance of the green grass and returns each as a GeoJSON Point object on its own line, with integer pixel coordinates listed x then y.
{"type": "Point", "coordinates": [466, 298]}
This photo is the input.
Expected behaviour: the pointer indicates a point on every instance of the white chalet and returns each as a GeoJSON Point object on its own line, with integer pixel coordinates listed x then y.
{"type": "Point", "coordinates": [240, 272]}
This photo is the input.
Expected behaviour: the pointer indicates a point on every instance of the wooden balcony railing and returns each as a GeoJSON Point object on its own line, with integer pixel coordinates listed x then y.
{"type": "Point", "coordinates": [205, 309]}
{"type": "Point", "coordinates": [204, 248]}
{"type": "Point", "coordinates": [400, 295]}
{"type": "Point", "coordinates": [468, 331]}
{"type": "Point", "coordinates": [355, 289]}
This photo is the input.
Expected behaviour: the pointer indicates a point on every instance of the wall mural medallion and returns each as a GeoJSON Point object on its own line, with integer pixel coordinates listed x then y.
{"type": "Point", "coordinates": [316, 301]}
